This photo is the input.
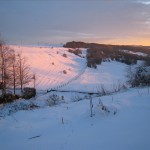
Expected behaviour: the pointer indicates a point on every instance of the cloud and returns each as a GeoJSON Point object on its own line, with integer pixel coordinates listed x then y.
{"type": "Point", "coordinates": [50, 21]}
{"type": "Point", "coordinates": [144, 2]}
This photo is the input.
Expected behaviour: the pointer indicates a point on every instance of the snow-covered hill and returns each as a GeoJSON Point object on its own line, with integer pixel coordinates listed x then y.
{"type": "Point", "coordinates": [48, 64]}
{"type": "Point", "coordinates": [53, 66]}
{"type": "Point", "coordinates": [119, 120]}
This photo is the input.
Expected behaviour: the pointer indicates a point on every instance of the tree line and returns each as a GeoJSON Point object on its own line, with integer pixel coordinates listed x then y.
{"type": "Point", "coordinates": [14, 70]}
{"type": "Point", "coordinates": [96, 53]}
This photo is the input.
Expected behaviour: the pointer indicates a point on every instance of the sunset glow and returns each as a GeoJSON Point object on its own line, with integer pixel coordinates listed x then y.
{"type": "Point", "coordinates": [110, 22]}
{"type": "Point", "coordinates": [127, 41]}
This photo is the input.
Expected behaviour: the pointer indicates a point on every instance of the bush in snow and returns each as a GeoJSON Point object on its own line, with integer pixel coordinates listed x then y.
{"type": "Point", "coordinates": [7, 98]}
{"type": "Point", "coordinates": [76, 98]}
{"type": "Point", "coordinates": [64, 55]}
{"type": "Point", "coordinates": [75, 51]}
{"type": "Point", "coordinates": [118, 87]}
{"type": "Point", "coordinates": [140, 76]}
{"type": "Point", "coordinates": [101, 90]}
{"type": "Point", "coordinates": [29, 92]}
{"type": "Point", "coordinates": [64, 71]}
{"type": "Point", "coordinates": [103, 107]}
{"type": "Point", "coordinates": [53, 100]}
{"type": "Point", "coordinates": [8, 109]}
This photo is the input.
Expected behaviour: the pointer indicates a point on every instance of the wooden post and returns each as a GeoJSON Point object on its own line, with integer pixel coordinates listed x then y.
{"type": "Point", "coordinates": [62, 120]}
{"type": "Point", "coordinates": [34, 80]}
{"type": "Point", "coordinates": [91, 106]}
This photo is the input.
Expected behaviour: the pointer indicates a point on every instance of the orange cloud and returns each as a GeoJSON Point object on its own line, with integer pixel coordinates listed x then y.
{"type": "Point", "coordinates": [127, 41]}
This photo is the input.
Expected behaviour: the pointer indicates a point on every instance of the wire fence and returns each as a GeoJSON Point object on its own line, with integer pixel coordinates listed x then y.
{"type": "Point", "coordinates": [51, 76]}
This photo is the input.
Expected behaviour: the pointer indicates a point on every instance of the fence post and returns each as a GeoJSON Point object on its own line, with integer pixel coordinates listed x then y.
{"type": "Point", "coordinates": [91, 106]}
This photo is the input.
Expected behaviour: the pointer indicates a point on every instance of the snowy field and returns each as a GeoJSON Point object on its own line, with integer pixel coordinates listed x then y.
{"type": "Point", "coordinates": [48, 64]}
{"type": "Point", "coordinates": [124, 124]}
{"type": "Point", "coordinates": [107, 74]}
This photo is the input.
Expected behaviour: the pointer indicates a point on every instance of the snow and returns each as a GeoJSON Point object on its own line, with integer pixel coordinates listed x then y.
{"type": "Point", "coordinates": [48, 64]}
{"type": "Point", "coordinates": [39, 124]}
{"type": "Point", "coordinates": [135, 53]}
{"type": "Point", "coordinates": [43, 128]}
{"type": "Point", "coordinates": [107, 74]}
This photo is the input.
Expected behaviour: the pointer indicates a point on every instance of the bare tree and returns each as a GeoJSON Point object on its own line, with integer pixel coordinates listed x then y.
{"type": "Point", "coordinates": [14, 73]}
{"type": "Point", "coordinates": [14, 70]}
{"type": "Point", "coordinates": [5, 62]}
{"type": "Point", "coordinates": [14, 82]}
{"type": "Point", "coordinates": [2, 60]}
{"type": "Point", "coordinates": [24, 74]}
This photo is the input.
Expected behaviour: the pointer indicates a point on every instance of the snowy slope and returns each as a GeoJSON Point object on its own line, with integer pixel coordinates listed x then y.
{"type": "Point", "coordinates": [123, 125]}
{"type": "Point", "coordinates": [48, 64]}
{"type": "Point", "coordinates": [108, 74]}
{"type": "Point", "coordinates": [126, 129]}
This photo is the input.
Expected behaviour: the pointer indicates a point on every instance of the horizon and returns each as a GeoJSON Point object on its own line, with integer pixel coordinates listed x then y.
{"type": "Point", "coordinates": [62, 44]}
{"type": "Point", "coordinates": [104, 22]}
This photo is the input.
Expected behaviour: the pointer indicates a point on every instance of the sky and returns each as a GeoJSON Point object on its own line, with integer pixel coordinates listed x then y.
{"type": "Point", "coordinates": [59, 21]}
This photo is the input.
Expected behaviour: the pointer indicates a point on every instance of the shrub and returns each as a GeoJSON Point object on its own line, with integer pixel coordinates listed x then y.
{"type": "Point", "coordinates": [139, 77]}
{"type": "Point", "coordinates": [64, 71]}
{"type": "Point", "coordinates": [76, 98]}
{"type": "Point", "coordinates": [53, 100]}
{"type": "Point", "coordinates": [29, 92]}
{"type": "Point", "coordinates": [64, 55]}
{"type": "Point", "coordinates": [75, 51]}
{"type": "Point", "coordinates": [7, 98]}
